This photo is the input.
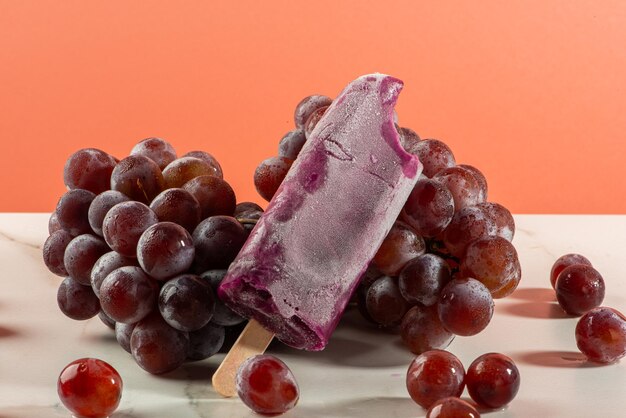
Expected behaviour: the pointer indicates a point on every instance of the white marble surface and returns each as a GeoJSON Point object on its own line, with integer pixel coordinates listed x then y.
{"type": "Point", "coordinates": [362, 371]}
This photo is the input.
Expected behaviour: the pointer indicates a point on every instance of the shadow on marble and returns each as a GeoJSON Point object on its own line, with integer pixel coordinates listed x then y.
{"type": "Point", "coordinates": [364, 407]}
{"type": "Point", "coordinates": [6, 332]}
{"type": "Point", "coordinates": [554, 358]}
{"type": "Point", "coordinates": [539, 310]}
{"type": "Point", "coordinates": [194, 371]}
{"type": "Point", "coordinates": [534, 294]}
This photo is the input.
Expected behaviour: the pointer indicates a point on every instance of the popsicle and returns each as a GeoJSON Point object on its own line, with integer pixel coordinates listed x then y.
{"type": "Point", "coordinates": [304, 258]}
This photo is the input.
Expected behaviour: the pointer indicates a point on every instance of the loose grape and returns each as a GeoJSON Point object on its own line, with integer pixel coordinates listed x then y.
{"type": "Point", "coordinates": [205, 342]}
{"type": "Point", "coordinates": [222, 315]}
{"type": "Point", "coordinates": [291, 144]}
{"type": "Point", "coordinates": [105, 265]}
{"type": "Point", "coordinates": [186, 302]}
{"type": "Point", "coordinates": [164, 250]}
{"type": "Point", "coordinates": [579, 288]}
{"type": "Point", "coordinates": [214, 195]}
{"type": "Point", "coordinates": [422, 279]}
{"type": "Point", "coordinates": [601, 335]}
{"type": "Point", "coordinates": [494, 262]}
{"type": "Point", "coordinates": [157, 149]}
{"type": "Point", "coordinates": [266, 385]}
{"type": "Point", "coordinates": [210, 160]}
{"type": "Point", "coordinates": [157, 347]}
{"type": "Point", "coordinates": [433, 154]}
{"type": "Point", "coordinates": [100, 205]}
{"type": "Point", "coordinates": [385, 303]}
{"type": "Point", "coordinates": [465, 306]}
{"type": "Point", "coordinates": [90, 388]}
{"type": "Point", "coordinates": [128, 294]}
{"type": "Point", "coordinates": [492, 380]}
{"type": "Point", "coordinates": [465, 188]}
{"type": "Point", "coordinates": [89, 169]}
{"type": "Point", "coordinates": [429, 208]}
{"type": "Point", "coordinates": [124, 224]}
{"type": "Point", "coordinates": [434, 375]}
{"type": "Point", "coordinates": [179, 206]}
{"type": "Point", "coordinates": [138, 177]}
{"type": "Point", "coordinates": [77, 301]}
{"type": "Point", "coordinates": [421, 330]}
{"type": "Point", "coordinates": [180, 171]}
{"type": "Point", "coordinates": [566, 261]}
{"type": "Point", "coordinates": [270, 174]}
{"type": "Point", "coordinates": [73, 209]}
{"type": "Point", "coordinates": [307, 106]}
{"type": "Point", "coordinates": [399, 246]}
{"type": "Point", "coordinates": [452, 407]}
{"type": "Point", "coordinates": [217, 240]}
{"type": "Point", "coordinates": [54, 250]}
{"type": "Point", "coordinates": [81, 254]}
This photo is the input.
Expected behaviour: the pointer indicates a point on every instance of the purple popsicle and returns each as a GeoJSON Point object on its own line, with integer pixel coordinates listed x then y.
{"type": "Point", "coordinates": [303, 260]}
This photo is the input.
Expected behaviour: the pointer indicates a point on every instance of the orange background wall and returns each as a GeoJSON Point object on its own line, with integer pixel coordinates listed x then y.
{"type": "Point", "coordinates": [531, 92]}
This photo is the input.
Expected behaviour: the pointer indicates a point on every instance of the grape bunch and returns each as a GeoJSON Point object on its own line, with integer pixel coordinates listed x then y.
{"type": "Point", "coordinates": [446, 258]}
{"type": "Point", "coordinates": [143, 243]}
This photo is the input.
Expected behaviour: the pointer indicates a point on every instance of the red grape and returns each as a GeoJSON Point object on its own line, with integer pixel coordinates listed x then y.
{"type": "Point", "coordinates": [186, 302]}
{"type": "Point", "coordinates": [313, 120]}
{"type": "Point", "coordinates": [266, 385]}
{"type": "Point", "coordinates": [214, 195]}
{"type": "Point", "coordinates": [399, 246]}
{"type": "Point", "coordinates": [421, 330]}
{"type": "Point", "coordinates": [180, 171]}
{"type": "Point", "coordinates": [601, 335]}
{"type": "Point", "coordinates": [307, 106]}
{"type": "Point", "coordinates": [566, 261]}
{"type": "Point", "coordinates": [429, 208]}
{"type": "Point", "coordinates": [422, 279]}
{"type": "Point", "coordinates": [452, 407]}
{"type": "Point", "coordinates": [291, 144]}
{"type": "Point", "coordinates": [434, 375]}
{"type": "Point", "coordinates": [179, 206]}
{"type": "Point", "coordinates": [210, 160]}
{"type": "Point", "coordinates": [465, 188]}
{"type": "Point", "coordinates": [89, 169]}
{"type": "Point", "coordinates": [105, 265]}
{"type": "Point", "coordinates": [73, 211]}
{"type": "Point", "coordinates": [138, 177]}
{"type": "Point", "coordinates": [270, 174]}
{"type": "Point", "coordinates": [128, 294]}
{"type": "Point", "coordinates": [124, 224]}
{"type": "Point", "coordinates": [494, 262]}
{"type": "Point", "coordinates": [54, 250]}
{"type": "Point", "coordinates": [492, 380]}
{"type": "Point", "coordinates": [480, 177]}
{"type": "Point", "coordinates": [384, 302]}
{"type": "Point", "coordinates": [465, 306]}
{"type": "Point", "coordinates": [81, 254]}
{"type": "Point", "coordinates": [77, 301]}
{"type": "Point", "coordinates": [90, 388]}
{"type": "Point", "coordinates": [164, 250]}
{"type": "Point", "coordinates": [433, 154]}
{"type": "Point", "coordinates": [157, 149]}
{"type": "Point", "coordinates": [53, 223]}
{"type": "Point", "coordinates": [469, 224]}
{"type": "Point", "coordinates": [123, 333]}
{"type": "Point", "coordinates": [100, 205]}
{"type": "Point", "coordinates": [408, 137]}
{"type": "Point", "coordinates": [579, 288]}
{"type": "Point", "coordinates": [157, 347]}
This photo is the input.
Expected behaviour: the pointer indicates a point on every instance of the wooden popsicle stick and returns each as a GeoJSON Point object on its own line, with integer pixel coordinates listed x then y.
{"type": "Point", "coordinates": [253, 340]}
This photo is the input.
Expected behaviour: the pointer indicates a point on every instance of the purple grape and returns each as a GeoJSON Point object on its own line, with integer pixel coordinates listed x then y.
{"type": "Point", "coordinates": [138, 177]}
{"type": "Point", "coordinates": [291, 144]}
{"type": "Point", "coordinates": [54, 251]}
{"type": "Point", "coordinates": [81, 254]}
{"type": "Point", "coordinates": [205, 342]}
{"type": "Point", "coordinates": [186, 302]}
{"type": "Point", "coordinates": [77, 301]}
{"type": "Point", "coordinates": [128, 294]}
{"type": "Point", "coordinates": [53, 223]}
{"type": "Point", "coordinates": [222, 315]}
{"type": "Point", "coordinates": [421, 330]}
{"type": "Point", "coordinates": [72, 211]}
{"type": "Point", "coordinates": [385, 303]}
{"type": "Point", "coordinates": [89, 169]}
{"type": "Point", "coordinates": [105, 265]}
{"type": "Point", "coordinates": [179, 206]}
{"type": "Point", "coordinates": [123, 333]}
{"type": "Point", "coordinates": [214, 195]}
{"type": "Point", "coordinates": [164, 250]}
{"type": "Point", "coordinates": [422, 279]}
{"type": "Point", "coordinates": [308, 106]}
{"type": "Point", "coordinates": [124, 224]}
{"type": "Point", "coordinates": [157, 149]}
{"type": "Point", "coordinates": [217, 240]}
{"type": "Point", "coordinates": [106, 319]}
{"type": "Point", "coordinates": [100, 205]}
